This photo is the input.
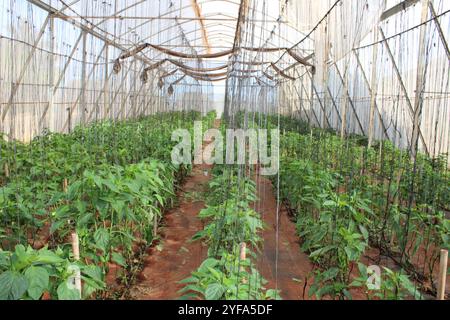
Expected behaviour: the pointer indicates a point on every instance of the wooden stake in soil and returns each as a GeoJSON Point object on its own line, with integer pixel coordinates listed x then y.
{"type": "Point", "coordinates": [65, 185]}
{"type": "Point", "coordinates": [243, 253]}
{"type": "Point", "coordinates": [6, 169]}
{"type": "Point", "coordinates": [155, 225]}
{"type": "Point", "coordinates": [76, 255]}
{"type": "Point", "coordinates": [442, 275]}
{"type": "Point", "coordinates": [243, 256]}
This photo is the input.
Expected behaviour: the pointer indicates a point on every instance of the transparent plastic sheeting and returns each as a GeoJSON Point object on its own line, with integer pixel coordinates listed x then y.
{"type": "Point", "coordinates": [55, 76]}
{"type": "Point", "coordinates": [345, 77]}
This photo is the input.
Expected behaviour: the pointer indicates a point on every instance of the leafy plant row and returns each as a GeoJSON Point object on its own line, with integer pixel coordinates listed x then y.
{"type": "Point", "coordinates": [119, 181]}
{"type": "Point", "coordinates": [401, 204]}
{"type": "Point", "coordinates": [348, 197]}
{"type": "Point", "coordinates": [334, 228]}
{"type": "Point", "coordinates": [230, 223]}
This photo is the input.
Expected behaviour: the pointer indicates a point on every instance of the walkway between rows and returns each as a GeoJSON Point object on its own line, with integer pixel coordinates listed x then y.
{"type": "Point", "coordinates": [293, 266]}
{"type": "Point", "coordinates": [176, 256]}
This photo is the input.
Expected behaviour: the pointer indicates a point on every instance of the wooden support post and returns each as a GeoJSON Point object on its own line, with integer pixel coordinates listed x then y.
{"type": "Point", "coordinates": [106, 84]}
{"type": "Point", "coordinates": [243, 252]}
{"type": "Point", "coordinates": [344, 105]}
{"type": "Point", "coordinates": [51, 78]}
{"type": "Point", "coordinates": [6, 170]}
{"type": "Point", "coordinates": [442, 275]}
{"type": "Point", "coordinates": [82, 107]}
{"type": "Point", "coordinates": [76, 256]}
{"type": "Point", "coordinates": [65, 185]}
{"type": "Point", "coordinates": [420, 83]}
{"type": "Point", "coordinates": [373, 88]}
{"type": "Point", "coordinates": [311, 100]}
{"type": "Point", "coordinates": [243, 257]}
{"type": "Point", "coordinates": [326, 56]}
{"type": "Point", "coordinates": [155, 225]}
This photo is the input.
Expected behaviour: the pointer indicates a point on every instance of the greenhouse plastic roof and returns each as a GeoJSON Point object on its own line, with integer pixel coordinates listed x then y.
{"type": "Point", "coordinates": [206, 26]}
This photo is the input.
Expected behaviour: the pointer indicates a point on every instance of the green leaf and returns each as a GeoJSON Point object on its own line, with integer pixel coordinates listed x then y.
{"type": "Point", "coordinates": [57, 225]}
{"type": "Point", "coordinates": [188, 280]}
{"type": "Point", "coordinates": [192, 287]}
{"type": "Point", "coordinates": [101, 237]}
{"type": "Point", "coordinates": [12, 285]}
{"type": "Point", "coordinates": [208, 263]}
{"type": "Point", "coordinates": [272, 294]}
{"type": "Point", "coordinates": [118, 206]}
{"type": "Point", "coordinates": [321, 251]}
{"type": "Point", "coordinates": [67, 293]}
{"type": "Point", "coordinates": [98, 181]}
{"type": "Point", "coordinates": [94, 272]}
{"type": "Point", "coordinates": [73, 189]}
{"type": "Point", "coordinates": [214, 291]}
{"type": "Point", "coordinates": [38, 279]}
{"type": "Point", "coordinates": [84, 219]}
{"type": "Point", "coordinates": [329, 203]}
{"type": "Point", "coordinates": [347, 294]}
{"type": "Point", "coordinates": [119, 259]}
{"type": "Point", "coordinates": [48, 257]}
{"type": "Point", "coordinates": [330, 274]}
{"type": "Point", "coordinates": [62, 212]}
{"type": "Point", "coordinates": [216, 274]}
{"type": "Point", "coordinates": [160, 199]}
{"type": "Point", "coordinates": [364, 232]}
{"type": "Point", "coordinates": [188, 296]}
{"type": "Point", "coordinates": [3, 259]}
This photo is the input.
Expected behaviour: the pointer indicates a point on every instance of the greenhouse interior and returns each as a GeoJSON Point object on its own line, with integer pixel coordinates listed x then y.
{"type": "Point", "coordinates": [224, 149]}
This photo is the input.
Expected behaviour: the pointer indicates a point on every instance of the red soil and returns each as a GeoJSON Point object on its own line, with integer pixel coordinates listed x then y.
{"type": "Point", "coordinates": [293, 273]}
{"type": "Point", "coordinates": [293, 267]}
{"type": "Point", "coordinates": [178, 256]}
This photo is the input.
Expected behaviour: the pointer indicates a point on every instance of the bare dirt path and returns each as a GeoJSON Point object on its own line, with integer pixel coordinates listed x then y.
{"type": "Point", "coordinates": [289, 274]}
{"type": "Point", "coordinates": [177, 255]}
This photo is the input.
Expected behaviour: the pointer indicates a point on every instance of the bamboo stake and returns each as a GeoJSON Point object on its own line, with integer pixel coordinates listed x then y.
{"type": "Point", "coordinates": [76, 255]}
{"type": "Point", "coordinates": [65, 185]}
{"type": "Point", "coordinates": [6, 168]}
{"type": "Point", "coordinates": [442, 275]}
{"type": "Point", "coordinates": [155, 226]}
{"type": "Point", "coordinates": [243, 256]}
{"type": "Point", "coordinates": [243, 253]}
